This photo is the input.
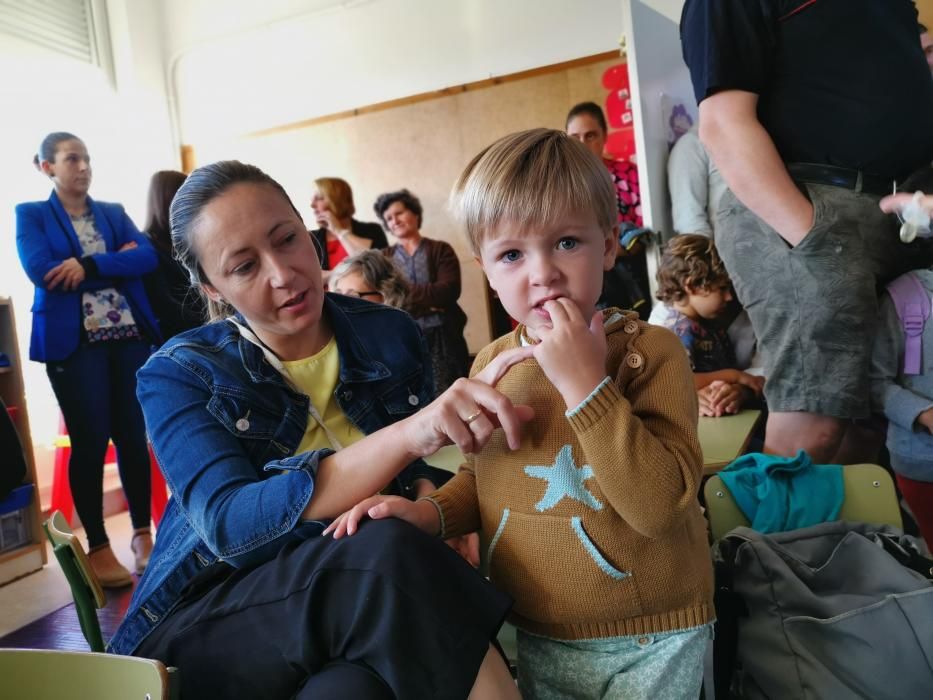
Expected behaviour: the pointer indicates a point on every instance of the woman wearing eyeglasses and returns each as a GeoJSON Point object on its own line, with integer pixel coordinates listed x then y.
{"type": "Point", "coordinates": [372, 276]}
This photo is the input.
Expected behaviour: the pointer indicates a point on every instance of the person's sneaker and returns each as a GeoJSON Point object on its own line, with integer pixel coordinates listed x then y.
{"type": "Point", "coordinates": [142, 548]}
{"type": "Point", "coordinates": [110, 572]}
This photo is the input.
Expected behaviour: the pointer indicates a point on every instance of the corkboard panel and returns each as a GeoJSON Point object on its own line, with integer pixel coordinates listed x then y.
{"type": "Point", "coordinates": [422, 145]}
{"type": "Point", "coordinates": [925, 10]}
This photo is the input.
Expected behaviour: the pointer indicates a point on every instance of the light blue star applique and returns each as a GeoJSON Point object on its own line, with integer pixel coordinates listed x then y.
{"type": "Point", "coordinates": [564, 478]}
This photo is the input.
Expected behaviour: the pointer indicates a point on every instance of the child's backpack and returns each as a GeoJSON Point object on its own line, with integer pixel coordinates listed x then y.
{"type": "Point", "coordinates": [912, 303]}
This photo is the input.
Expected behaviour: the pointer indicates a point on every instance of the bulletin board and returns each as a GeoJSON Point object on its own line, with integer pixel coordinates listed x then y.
{"type": "Point", "coordinates": [422, 143]}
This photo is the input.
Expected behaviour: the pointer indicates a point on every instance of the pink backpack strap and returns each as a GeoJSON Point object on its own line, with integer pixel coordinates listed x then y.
{"type": "Point", "coordinates": [912, 302]}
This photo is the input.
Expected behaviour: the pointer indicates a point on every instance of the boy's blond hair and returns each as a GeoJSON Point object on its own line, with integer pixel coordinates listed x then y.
{"type": "Point", "coordinates": [532, 178]}
{"type": "Point", "coordinates": [689, 262]}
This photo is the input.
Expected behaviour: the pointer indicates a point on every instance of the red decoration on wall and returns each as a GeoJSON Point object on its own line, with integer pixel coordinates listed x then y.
{"type": "Point", "coordinates": [620, 143]}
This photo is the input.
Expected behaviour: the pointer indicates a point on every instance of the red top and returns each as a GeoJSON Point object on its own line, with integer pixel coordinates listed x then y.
{"type": "Point", "coordinates": [335, 252]}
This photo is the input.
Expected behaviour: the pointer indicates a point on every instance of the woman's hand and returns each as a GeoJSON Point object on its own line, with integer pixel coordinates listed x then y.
{"type": "Point", "coordinates": [67, 273]}
{"type": "Point", "coordinates": [468, 412]}
{"type": "Point", "coordinates": [422, 514]}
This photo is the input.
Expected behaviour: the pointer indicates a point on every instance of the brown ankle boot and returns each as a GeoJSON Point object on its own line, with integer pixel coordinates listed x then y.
{"type": "Point", "coordinates": [110, 572]}
{"type": "Point", "coordinates": [142, 548]}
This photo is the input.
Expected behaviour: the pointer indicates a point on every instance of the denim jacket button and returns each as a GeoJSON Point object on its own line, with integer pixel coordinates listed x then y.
{"type": "Point", "coordinates": [413, 400]}
{"type": "Point", "coordinates": [242, 425]}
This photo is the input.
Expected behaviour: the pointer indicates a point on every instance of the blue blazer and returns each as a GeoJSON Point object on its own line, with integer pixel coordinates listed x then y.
{"type": "Point", "coordinates": [45, 238]}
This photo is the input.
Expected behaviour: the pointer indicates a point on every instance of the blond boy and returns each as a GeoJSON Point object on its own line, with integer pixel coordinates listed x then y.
{"type": "Point", "coordinates": [592, 524]}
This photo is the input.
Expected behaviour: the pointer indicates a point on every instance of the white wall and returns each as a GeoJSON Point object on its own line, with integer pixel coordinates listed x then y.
{"type": "Point", "coordinates": [266, 64]}
{"type": "Point", "coordinates": [657, 71]}
{"type": "Point", "coordinates": [125, 125]}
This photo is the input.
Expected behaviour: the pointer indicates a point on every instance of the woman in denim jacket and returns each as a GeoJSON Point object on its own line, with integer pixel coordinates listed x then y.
{"type": "Point", "coordinates": [270, 423]}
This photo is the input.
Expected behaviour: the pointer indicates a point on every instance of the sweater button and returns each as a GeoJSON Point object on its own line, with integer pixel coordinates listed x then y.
{"type": "Point", "coordinates": [630, 327]}
{"type": "Point", "coordinates": [634, 360]}
{"type": "Point", "coordinates": [413, 400]}
{"type": "Point", "coordinates": [242, 425]}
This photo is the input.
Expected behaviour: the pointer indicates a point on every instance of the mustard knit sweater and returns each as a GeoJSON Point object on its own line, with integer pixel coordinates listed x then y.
{"type": "Point", "coordinates": [593, 525]}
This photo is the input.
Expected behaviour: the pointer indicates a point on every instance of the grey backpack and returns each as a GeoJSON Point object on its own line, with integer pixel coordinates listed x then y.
{"type": "Point", "coordinates": [837, 610]}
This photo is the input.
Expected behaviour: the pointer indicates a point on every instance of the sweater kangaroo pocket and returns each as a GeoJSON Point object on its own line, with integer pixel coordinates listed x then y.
{"type": "Point", "coordinates": [557, 573]}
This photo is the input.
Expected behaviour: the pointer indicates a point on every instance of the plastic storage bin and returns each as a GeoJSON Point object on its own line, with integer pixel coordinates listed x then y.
{"type": "Point", "coordinates": [14, 518]}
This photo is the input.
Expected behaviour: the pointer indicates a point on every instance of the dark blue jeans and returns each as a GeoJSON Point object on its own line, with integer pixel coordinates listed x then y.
{"type": "Point", "coordinates": [96, 391]}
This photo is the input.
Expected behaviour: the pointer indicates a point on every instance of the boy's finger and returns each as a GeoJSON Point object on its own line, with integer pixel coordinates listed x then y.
{"type": "Point", "coordinates": [596, 324]}
{"type": "Point", "coordinates": [557, 311]}
{"type": "Point", "coordinates": [572, 310]}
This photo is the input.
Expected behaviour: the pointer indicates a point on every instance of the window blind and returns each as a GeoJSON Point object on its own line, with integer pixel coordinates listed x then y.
{"type": "Point", "coordinates": [65, 26]}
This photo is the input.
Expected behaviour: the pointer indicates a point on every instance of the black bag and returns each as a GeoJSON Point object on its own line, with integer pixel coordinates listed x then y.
{"type": "Point", "coordinates": [12, 461]}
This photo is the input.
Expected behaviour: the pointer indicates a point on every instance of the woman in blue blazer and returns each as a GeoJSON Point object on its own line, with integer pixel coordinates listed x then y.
{"type": "Point", "coordinates": [93, 328]}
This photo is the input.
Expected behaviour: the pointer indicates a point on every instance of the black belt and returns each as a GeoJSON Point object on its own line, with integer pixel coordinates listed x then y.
{"type": "Point", "coordinates": [857, 180]}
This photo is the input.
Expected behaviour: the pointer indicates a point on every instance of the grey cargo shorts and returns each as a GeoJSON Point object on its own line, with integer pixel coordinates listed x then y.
{"type": "Point", "coordinates": [814, 307]}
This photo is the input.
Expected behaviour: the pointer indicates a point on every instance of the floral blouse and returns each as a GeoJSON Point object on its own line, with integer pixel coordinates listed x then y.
{"type": "Point", "coordinates": [106, 313]}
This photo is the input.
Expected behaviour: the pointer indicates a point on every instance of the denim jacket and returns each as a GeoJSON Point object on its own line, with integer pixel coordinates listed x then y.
{"type": "Point", "coordinates": [225, 425]}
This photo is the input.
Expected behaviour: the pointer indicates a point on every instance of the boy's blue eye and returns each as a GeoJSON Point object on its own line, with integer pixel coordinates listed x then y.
{"type": "Point", "coordinates": [510, 256]}
{"type": "Point", "coordinates": [567, 243]}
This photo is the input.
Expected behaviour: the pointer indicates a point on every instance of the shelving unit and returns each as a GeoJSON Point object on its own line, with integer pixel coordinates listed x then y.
{"type": "Point", "coordinates": [32, 555]}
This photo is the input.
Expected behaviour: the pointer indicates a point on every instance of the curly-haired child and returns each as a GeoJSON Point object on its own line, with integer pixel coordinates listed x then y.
{"type": "Point", "coordinates": [695, 291]}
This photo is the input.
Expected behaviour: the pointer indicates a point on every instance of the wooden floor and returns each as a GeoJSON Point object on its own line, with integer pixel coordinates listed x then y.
{"type": "Point", "coordinates": [61, 629]}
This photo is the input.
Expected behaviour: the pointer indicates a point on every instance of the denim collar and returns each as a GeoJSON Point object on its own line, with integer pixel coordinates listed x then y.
{"type": "Point", "coordinates": [356, 364]}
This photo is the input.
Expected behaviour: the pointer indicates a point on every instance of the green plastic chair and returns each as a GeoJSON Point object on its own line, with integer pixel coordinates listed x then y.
{"type": "Point", "coordinates": [85, 588]}
{"type": "Point", "coordinates": [869, 497]}
{"type": "Point", "coordinates": [46, 674]}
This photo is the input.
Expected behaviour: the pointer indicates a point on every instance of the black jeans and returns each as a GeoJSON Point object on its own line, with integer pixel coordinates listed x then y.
{"type": "Point", "coordinates": [389, 612]}
{"type": "Point", "coordinates": [96, 391]}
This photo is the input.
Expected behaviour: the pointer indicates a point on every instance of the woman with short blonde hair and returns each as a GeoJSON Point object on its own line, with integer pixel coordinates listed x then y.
{"type": "Point", "coordinates": [339, 235]}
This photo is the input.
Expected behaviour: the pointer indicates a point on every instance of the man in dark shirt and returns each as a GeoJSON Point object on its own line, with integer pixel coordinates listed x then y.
{"type": "Point", "coordinates": [811, 110]}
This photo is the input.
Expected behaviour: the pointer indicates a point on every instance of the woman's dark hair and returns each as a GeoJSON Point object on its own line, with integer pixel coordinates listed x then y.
{"type": "Point", "coordinates": [689, 262]}
{"type": "Point", "coordinates": [590, 108]}
{"type": "Point", "coordinates": [49, 146]}
{"type": "Point", "coordinates": [202, 187]}
{"type": "Point", "coordinates": [408, 200]}
{"type": "Point", "coordinates": [162, 187]}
